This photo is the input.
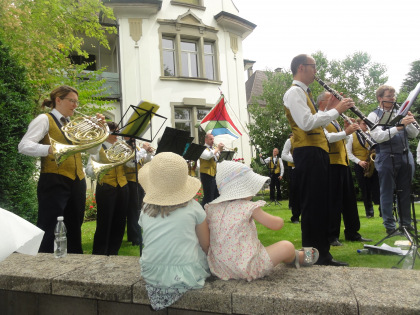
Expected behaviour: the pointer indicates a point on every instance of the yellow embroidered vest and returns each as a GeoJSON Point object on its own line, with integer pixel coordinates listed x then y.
{"type": "Point", "coordinates": [115, 176]}
{"type": "Point", "coordinates": [338, 152]}
{"type": "Point", "coordinates": [130, 172]}
{"type": "Point", "coordinates": [359, 151]}
{"type": "Point", "coordinates": [71, 167]}
{"type": "Point", "coordinates": [277, 167]}
{"type": "Point", "coordinates": [208, 166]}
{"type": "Point", "coordinates": [313, 138]}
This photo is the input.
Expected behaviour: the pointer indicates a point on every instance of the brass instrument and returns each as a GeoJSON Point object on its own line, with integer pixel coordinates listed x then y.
{"type": "Point", "coordinates": [368, 172]}
{"type": "Point", "coordinates": [355, 110]}
{"type": "Point", "coordinates": [84, 132]}
{"type": "Point", "coordinates": [119, 153]}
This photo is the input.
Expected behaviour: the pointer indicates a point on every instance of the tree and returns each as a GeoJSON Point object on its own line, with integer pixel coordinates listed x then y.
{"type": "Point", "coordinates": [42, 34]}
{"type": "Point", "coordinates": [17, 182]}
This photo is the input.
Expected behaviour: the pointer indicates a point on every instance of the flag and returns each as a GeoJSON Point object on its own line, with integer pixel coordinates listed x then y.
{"type": "Point", "coordinates": [219, 123]}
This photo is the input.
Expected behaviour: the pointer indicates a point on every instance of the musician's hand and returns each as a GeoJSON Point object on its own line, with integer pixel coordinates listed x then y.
{"type": "Point", "coordinates": [344, 105]}
{"type": "Point", "coordinates": [407, 120]}
{"type": "Point", "coordinates": [280, 177]}
{"type": "Point", "coordinates": [100, 117]}
{"type": "Point", "coordinates": [260, 155]}
{"type": "Point", "coordinates": [352, 128]}
{"type": "Point", "coordinates": [364, 164]}
{"type": "Point", "coordinates": [220, 146]}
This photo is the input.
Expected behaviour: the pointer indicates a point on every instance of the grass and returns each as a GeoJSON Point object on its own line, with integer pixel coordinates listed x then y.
{"type": "Point", "coordinates": [370, 228]}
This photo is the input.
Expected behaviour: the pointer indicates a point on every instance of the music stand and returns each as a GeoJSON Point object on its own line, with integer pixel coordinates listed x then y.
{"type": "Point", "coordinates": [139, 123]}
{"type": "Point", "coordinates": [193, 151]}
{"type": "Point", "coordinates": [174, 140]}
{"type": "Point", "coordinates": [226, 156]}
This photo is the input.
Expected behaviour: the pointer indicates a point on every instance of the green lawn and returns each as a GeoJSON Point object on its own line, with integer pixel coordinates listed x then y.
{"type": "Point", "coordinates": [370, 228]}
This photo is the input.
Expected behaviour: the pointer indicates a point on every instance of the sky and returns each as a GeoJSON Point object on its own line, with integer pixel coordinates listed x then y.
{"type": "Point", "coordinates": [389, 31]}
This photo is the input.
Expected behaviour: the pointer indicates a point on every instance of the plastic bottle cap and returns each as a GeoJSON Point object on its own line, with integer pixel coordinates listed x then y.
{"type": "Point", "coordinates": [60, 218]}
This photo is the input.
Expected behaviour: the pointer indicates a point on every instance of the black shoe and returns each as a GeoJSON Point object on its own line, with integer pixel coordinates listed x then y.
{"type": "Point", "coordinates": [359, 239]}
{"type": "Point", "coordinates": [335, 263]}
{"type": "Point", "coordinates": [336, 243]}
{"type": "Point", "coordinates": [394, 232]}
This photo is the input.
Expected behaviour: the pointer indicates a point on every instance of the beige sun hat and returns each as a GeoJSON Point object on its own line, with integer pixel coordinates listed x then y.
{"type": "Point", "coordinates": [236, 181]}
{"type": "Point", "coordinates": [166, 181]}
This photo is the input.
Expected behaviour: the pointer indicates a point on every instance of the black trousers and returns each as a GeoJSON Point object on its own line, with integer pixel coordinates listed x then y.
{"type": "Point", "coordinates": [342, 202]}
{"type": "Point", "coordinates": [312, 168]}
{"type": "Point", "coordinates": [61, 196]}
{"type": "Point", "coordinates": [275, 185]}
{"type": "Point", "coordinates": [210, 191]}
{"type": "Point", "coordinates": [369, 187]}
{"type": "Point", "coordinates": [134, 206]}
{"type": "Point", "coordinates": [110, 220]}
{"type": "Point", "coordinates": [293, 195]}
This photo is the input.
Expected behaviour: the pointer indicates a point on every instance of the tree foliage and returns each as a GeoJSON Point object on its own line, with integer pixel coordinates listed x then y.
{"type": "Point", "coordinates": [42, 35]}
{"type": "Point", "coordinates": [17, 182]}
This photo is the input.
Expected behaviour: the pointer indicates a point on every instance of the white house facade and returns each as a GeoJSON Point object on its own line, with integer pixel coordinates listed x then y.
{"type": "Point", "coordinates": [180, 55]}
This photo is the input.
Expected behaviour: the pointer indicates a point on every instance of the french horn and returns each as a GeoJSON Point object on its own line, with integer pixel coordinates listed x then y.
{"type": "Point", "coordinates": [85, 132]}
{"type": "Point", "coordinates": [119, 153]}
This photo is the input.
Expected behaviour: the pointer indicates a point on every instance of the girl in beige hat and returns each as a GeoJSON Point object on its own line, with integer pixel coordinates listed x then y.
{"type": "Point", "coordinates": [235, 251]}
{"type": "Point", "coordinates": [175, 231]}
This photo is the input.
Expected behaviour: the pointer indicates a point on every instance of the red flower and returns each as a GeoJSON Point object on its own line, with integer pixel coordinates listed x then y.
{"type": "Point", "coordinates": [199, 194]}
{"type": "Point", "coordinates": [196, 199]}
{"type": "Point", "coordinates": [90, 207]}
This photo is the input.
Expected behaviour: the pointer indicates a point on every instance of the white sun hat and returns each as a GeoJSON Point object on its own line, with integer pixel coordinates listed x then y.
{"type": "Point", "coordinates": [236, 181]}
{"type": "Point", "coordinates": [166, 182]}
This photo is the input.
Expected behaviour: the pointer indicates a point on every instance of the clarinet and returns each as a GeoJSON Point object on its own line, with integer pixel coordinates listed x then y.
{"type": "Point", "coordinates": [339, 97]}
{"type": "Point", "coordinates": [415, 124]}
{"type": "Point", "coordinates": [363, 135]}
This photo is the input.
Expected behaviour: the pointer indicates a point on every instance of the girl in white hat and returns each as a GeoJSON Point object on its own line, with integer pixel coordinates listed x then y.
{"type": "Point", "coordinates": [175, 231]}
{"type": "Point", "coordinates": [235, 251]}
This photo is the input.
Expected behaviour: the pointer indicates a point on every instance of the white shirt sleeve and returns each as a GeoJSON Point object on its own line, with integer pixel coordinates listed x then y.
{"type": "Point", "coordinates": [207, 154]}
{"type": "Point", "coordinates": [281, 166]}
{"type": "Point", "coordinates": [349, 147]}
{"type": "Point", "coordinates": [29, 145]}
{"type": "Point", "coordinates": [335, 136]}
{"type": "Point", "coordinates": [295, 100]}
{"type": "Point", "coordinates": [285, 153]}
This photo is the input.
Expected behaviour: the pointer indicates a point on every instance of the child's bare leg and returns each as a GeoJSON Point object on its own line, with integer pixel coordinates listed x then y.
{"type": "Point", "coordinates": [283, 251]}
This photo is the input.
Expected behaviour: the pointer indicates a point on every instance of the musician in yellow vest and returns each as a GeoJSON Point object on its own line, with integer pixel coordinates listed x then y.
{"type": "Point", "coordinates": [135, 201]}
{"type": "Point", "coordinates": [112, 201]}
{"type": "Point", "coordinates": [342, 195]}
{"type": "Point", "coordinates": [310, 155]}
{"type": "Point", "coordinates": [287, 155]}
{"type": "Point", "coordinates": [359, 154]}
{"type": "Point", "coordinates": [208, 161]}
{"type": "Point", "coordinates": [276, 169]}
{"type": "Point", "coordinates": [61, 189]}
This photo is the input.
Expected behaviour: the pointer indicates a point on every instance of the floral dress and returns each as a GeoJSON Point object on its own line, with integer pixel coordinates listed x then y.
{"type": "Point", "coordinates": [235, 250]}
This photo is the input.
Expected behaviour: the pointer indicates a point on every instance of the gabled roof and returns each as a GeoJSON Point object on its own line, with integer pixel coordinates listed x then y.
{"type": "Point", "coordinates": [254, 86]}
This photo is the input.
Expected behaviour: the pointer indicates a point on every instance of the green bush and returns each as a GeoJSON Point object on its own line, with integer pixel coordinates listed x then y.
{"type": "Point", "coordinates": [19, 172]}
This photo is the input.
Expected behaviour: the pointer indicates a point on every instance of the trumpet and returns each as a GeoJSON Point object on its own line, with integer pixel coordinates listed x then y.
{"type": "Point", "coordinates": [119, 153]}
{"type": "Point", "coordinates": [86, 132]}
{"type": "Point", "coordinates": [355, 110]}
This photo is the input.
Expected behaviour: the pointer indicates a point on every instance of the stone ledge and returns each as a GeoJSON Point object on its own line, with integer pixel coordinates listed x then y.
{"type": "Point", "coordinates": [101, 284]}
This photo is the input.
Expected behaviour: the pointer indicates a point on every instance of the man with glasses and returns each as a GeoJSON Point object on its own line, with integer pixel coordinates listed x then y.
{"type": "Point", "coordinates": [310, 156]}
{"type": "Point", "coordinates": [394, 161]}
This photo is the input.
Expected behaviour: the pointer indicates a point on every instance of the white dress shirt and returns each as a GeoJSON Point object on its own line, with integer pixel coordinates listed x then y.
{"type": "Point", "coordinates": [295, 100]}
{"type": "Point", "coordinates": [380, 135]}
{"type": "Point", "coordinates": [275, 159]}
{"type": "Point", "coordinates": [286, 155]}
{"type": "Point", "coordinates": [208, 154]}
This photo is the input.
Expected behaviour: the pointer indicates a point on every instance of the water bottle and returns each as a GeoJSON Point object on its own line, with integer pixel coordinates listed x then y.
{"type": "Point", "coordinates": [408, 259]}
{"type": "Point", "coordinates": [60, 241]}
{"type": "Point", "coordinates": [364, 251]}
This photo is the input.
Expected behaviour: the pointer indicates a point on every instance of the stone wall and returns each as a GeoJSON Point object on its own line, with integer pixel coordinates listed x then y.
{"type": "Point", "coordinates": [86, 284]}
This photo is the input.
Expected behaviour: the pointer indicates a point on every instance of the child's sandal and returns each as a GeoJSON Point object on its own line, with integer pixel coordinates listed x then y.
{"type": "Point", "coordinates": [310, 256]}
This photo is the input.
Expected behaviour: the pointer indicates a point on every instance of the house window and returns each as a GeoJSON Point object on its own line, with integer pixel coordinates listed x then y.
{"type": "Point", "coordinates": [168, 47]}
{"type": "Point", "coordinates": [187, 118]}
{"type": "Point", "coordinates": [189, 59]}
{"type": "Point", "coordinates": [189, 50]}
{"type": "Point", "coordinates": [209, 60]}
{"type": "Point", "coordinates": [191, 2]}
